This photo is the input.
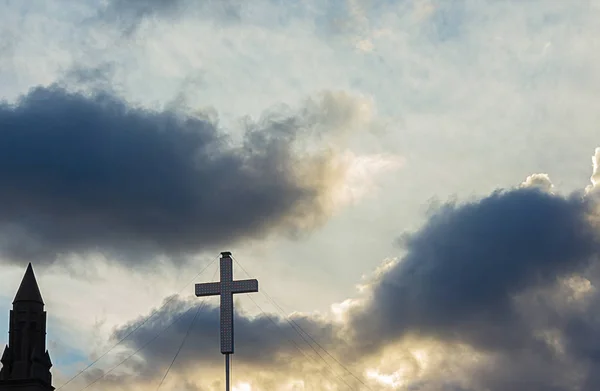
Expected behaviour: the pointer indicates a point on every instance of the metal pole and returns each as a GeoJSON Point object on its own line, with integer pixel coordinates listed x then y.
{"type": "Point", "coordinates": [226, 371]}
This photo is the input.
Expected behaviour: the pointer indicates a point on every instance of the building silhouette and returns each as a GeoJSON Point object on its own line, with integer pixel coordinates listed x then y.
{"type": "Point", "coordinates": [25, 362]}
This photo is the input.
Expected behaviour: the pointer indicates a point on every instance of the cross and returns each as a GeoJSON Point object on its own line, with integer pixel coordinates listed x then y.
{"type": "Point", "coordinates": [226, 288]}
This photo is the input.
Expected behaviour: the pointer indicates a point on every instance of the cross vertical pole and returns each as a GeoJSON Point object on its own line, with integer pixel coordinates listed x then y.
{"type": "Point", "coordinates": [227, 377]}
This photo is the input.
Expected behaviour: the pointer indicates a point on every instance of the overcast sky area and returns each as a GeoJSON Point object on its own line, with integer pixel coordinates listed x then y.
{"type": "Point", "coordinates": [414, 183]}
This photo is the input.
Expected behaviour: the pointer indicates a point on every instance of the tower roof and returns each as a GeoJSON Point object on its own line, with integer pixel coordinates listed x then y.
{"type": "Point", "coordinates": [28, 290]}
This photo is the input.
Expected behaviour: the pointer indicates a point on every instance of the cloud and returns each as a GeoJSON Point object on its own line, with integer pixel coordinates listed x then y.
{"type": "Point", "coordinates": [537, 58]}
{"type": "Point", "coordinates": [539, 181]}
{"type": "Point", "coordinates": [86, 173]}
{"type": "Point", "coordinates": [513, 276]}
{"type": "Point", "coordinates": [491, 294]}
{"type": "Point", "coordinates": [265, 346]}
{"type": "Point", "coordinates": [268, 333]}
{"type": "Point", "coordinates": [463, 267]}
{"type": "Point", "coordinates": [128, 15]}
{"type": "Point", "coordinates": [465, 264]}
{"type": "Point", "coordinates": [595, 179]}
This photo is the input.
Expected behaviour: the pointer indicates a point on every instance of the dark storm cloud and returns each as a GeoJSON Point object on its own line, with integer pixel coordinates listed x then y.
{"type": "Point", "coordinates": [265, 341]}
{"type": "Point", "coordinates": [463, 267]}
{"type": "Point", "coordinates": [488, 274]}
{"type": "Point", "coordinates": [85, 173]}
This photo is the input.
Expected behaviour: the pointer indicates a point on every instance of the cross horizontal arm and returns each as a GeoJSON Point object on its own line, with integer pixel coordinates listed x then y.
{"type": "Point", "coordinates": [245, 286]}
{"type": "Point", "coordinates": [208, 289]}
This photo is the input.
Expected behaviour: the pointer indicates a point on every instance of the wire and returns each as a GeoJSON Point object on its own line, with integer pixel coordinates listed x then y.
{"type": "Point", "coordinates": [277, 325]}
{"type": "Point", "coordinates": [298, 347]}
{"type": "Point", "coordinates": [186, 335]}
{"type": "Point", "coordinates": [138, 350]}
{"type": "Point", "coordinates": [309, 336]}
{"type": "Point", "coordinates": [179, 349]}
{"type": "Point", "coordinates": [156, 311]}
{"type": "Point", "coordinates": [300, 334]}
{"type": "Point", "coordinates": [317, 343]}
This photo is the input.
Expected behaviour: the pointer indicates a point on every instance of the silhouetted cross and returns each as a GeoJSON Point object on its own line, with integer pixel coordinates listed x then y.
{"type": "Point", "coordinates": [226, 288]}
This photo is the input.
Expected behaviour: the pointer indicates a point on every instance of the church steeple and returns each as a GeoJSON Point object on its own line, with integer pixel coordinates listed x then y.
{"type": "Point", "coordinates": [29, 290]}
{"type": "Point", "coordinates": [25, 362]}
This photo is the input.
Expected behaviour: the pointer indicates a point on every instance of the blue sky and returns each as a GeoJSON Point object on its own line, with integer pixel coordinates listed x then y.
{"type": "Point", "coordinates": [325, 131]}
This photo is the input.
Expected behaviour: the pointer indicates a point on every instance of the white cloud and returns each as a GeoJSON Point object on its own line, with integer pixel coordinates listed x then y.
{"type": "Point", "coordinates": [595, 178]}
{"type": "Point", "coordinates": [363, 172]}
{"type": "Point", "coordinates": [539, 181]}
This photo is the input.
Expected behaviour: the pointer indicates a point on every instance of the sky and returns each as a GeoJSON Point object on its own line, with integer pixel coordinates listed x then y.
{"type": "Point", "coordinates": [414, 183]}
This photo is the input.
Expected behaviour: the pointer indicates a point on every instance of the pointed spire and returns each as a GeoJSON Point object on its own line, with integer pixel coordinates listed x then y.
{"type": "Point", "coordinates": [29, 290]}
{"type": "Point", "coordinates": [6, 355]}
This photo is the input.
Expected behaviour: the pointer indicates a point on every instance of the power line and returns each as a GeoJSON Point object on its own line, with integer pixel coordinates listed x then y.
{"type": "Point", "coordinates": [300, 350]}
{"type": "Point", "coordinates": [154, 312]}
{"type": "Point", "coordinates": [309, 336]}
{"type": "Point", "coordinates": [139, 349]}
{"type": "Point", "coordinates": [277, 325]}
{"type": "Point", "coordinates": [299, 333]}
{"type": "Point", "coordinates": [179, 349]}
{"type": "Point", "coordinates": [317, 343]}
{"type": "Point", "coordinates": [185, 337]}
